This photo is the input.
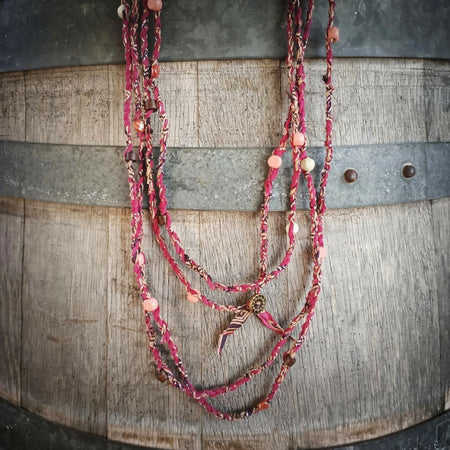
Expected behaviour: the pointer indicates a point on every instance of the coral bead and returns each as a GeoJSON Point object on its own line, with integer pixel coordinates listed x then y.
{"type": "Point", "coordinates": [295, 228]}
{"type": "Point", "coordinates": [154, 5]}
{"type": "Point", "coordinates": [307, 164]}
{"type": "Point", "coordinates": [275, 162]}
{"type": "Point", "coordinates": [120, 11]}
{"type": "Point", "coordinates": [262, 406]}
{"type": "Point", "coordinates": [298, 139]}
{"type": "Point", "coordinates": [323, 252]}
{"type": "Point", "coordinates": [151, 304]}
{"type": "Point", "coordinates": [193, 298]}
{"type": "Point", "coordinates": [333, 34]}
{"type": "Point", "coordinates": [139, 125]}
{"type": "Point", "coordinates": [155, 70]}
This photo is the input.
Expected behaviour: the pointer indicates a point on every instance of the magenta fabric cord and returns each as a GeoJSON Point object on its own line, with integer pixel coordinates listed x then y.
{"type": "Point", "coordinates": [143, 101]}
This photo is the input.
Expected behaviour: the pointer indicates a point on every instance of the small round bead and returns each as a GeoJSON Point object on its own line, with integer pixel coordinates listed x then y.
{"type": "Point", "coordinates": [139, 125]}
{"type": "Point", "coordinates": [140, 259]}
{"type": "Point", "coordinates": [120, 11]}
{"type": "Point", "coordinates": [193, 298]}
{"type": "Point", "coordinates": [131, 156]}
{"type": "Point", "coordinates": [323, 252]}
{"type": "Point", "coordinates": [150, 304]}
{"type": "Point", "coordinates": [307, 164]}
{"type": "Point", "coordinates": [262, 406]}
{"type": "Point", "coordinates": [155, 70]}
{"type": "Point", "coordinates": [154, 5]}
{"type": "Point", "coordinates": [275, 162]}
{"type": "Point", "coordinates": [295, 228]}
{"type": "Point", "coordinates": [162, 219]}
{"type": "Point", "coordinates": [333, 34]}
{"type": "Point", "coordinates": [298, 139]}
{"type": "Point", "coordinates": [288, 359]}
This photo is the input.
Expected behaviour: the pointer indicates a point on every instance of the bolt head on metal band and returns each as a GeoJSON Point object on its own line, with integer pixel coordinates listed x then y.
{"type": "Point", "coordinates": [257, 304]}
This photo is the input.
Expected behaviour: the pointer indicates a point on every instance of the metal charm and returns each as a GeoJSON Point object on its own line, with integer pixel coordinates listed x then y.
{"type": "Point", "coordinates": [257, 304]}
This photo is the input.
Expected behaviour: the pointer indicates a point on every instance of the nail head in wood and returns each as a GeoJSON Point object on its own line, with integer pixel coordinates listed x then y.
{"type": "Point", "coordinates": [350, 175]}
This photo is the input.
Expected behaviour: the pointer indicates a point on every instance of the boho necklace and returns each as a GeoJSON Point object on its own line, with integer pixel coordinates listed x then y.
{"type": "Point", "coordinates": [142, 71]}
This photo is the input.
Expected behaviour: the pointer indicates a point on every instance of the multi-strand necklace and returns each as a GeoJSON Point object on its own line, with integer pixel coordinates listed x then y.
{"type": "Point", "coordinates": [142, 71]}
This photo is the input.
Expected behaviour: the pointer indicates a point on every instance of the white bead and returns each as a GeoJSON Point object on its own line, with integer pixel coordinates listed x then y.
{"type": "Point", "coordinates": [307, 164]}
{"type": "Point", "coordinates": [295, 228]}
{"type": "Point", "coordinates": [120, 11]}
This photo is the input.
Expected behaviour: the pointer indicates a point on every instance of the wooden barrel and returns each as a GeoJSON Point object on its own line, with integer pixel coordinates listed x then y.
{"type": "Point", "coordinates": [73, 337]}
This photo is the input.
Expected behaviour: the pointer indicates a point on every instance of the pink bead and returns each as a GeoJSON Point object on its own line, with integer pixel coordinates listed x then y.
{"type": "Point", "coordinates": [333, 34]}
{"type": "Point", "coordinates": [275, 162]}
{"type": "Point", "coordinates": [140, 259]}
{"type": "Point", "coordinates": [154, 5]}
{"type": "Point", "coordinates": [298, 139]}
{"type": "Point", "coordinates": [150, 304]}
{"type": "Point", "coordinates": [323, 252]}
{"type": "Point", "coordinates": [193, 298]}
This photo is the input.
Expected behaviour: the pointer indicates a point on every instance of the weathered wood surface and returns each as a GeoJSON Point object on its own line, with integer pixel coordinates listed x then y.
{"type": "Point", "coordinates": [376, 359]}
{"type": "Point", "coordinates": [441, 232]}
{"type": "Point", "coordinates": [64, 304]}
{"type": "Point", "coordinates": [11, 246]}
{"type": "Point", "coordinates": [234, 103]}
{"type": "Point", "coordinates": [12, 106]}
{"type": "Point", "coordinates": [371, 365]}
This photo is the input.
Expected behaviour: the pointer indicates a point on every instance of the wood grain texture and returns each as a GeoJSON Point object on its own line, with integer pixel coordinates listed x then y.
{"type": "Point", "coordinates": [441, 233]}
{"type": "Point", "coordinates": [140, 409]}
{"type": "Point", "coordinates": [178, 87]}
{"type": "Point", "coordinates": [239, 103]}
{"type": "Point", "coordinates": [11, 246]}
{"type": "Point", "coordinates": [235, 103]}
{"type": "Point", "coordinates": [12, 106]}
{"type": "Point", "coordinates": [68, 105]}
{"type": "Point", "coordinates": [373, 352]}
{"type": "Point", "coordinates": [64, 314]}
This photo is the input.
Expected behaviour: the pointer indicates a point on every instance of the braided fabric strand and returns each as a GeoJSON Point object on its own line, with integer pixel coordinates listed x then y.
{"type": "Point", "coordinates": [141, 73]}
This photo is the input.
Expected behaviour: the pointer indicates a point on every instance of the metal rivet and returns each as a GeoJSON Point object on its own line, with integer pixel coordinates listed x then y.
{"type": "Point", "coordinates": [408, 171]}
{"type": "Point", "coordinates": [350, 175]}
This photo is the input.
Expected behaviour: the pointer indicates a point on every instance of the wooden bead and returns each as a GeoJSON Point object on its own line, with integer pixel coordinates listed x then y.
{"type": "Point", "coordinates": [150, 104]}
{"type": "Point", "coordinates": [298, 139]}
{"type": "Point", "coordinates": [161, 377]}
{"type": "Point", "coordinates": [333, 34]}
{"type": "Point", "coordinates": [154, 5]}
{"type": "Point", "coordinates": [307, 164]}
{"type": "Point", "coordinates": [131, 156]}
{"type": "Point", "coordinates": [275, 162]}
{"type": "Point", "coordinates": [120, 11]}
{"type": "Point", "coordinates": [162, 219]}
{"type": "Point", "coordinates": [288, 359]}
{"type": "Point", "coordinates": [139, 125]}
{"type": "Point", "coordinates": [151, 304]}
{"type": "Point", "coordinates": [155, 70]}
